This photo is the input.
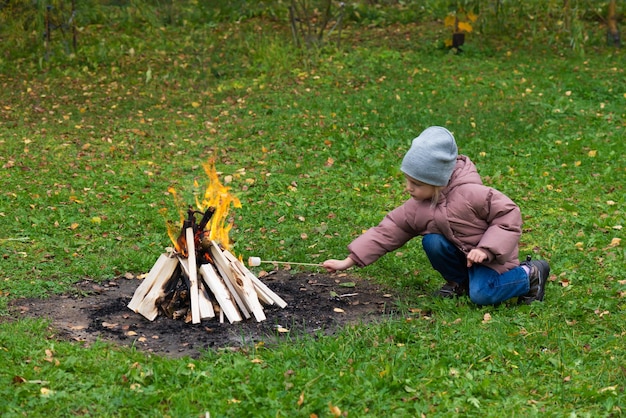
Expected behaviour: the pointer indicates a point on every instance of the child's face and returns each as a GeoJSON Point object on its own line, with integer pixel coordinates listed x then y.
{"type": "Point", "coordinates": [419, 190]}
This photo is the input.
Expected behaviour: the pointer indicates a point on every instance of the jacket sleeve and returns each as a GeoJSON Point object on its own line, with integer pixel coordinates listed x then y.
{"type": "Point", "coordinates": [504, 220]}
{"type": "Point", "coordinates": [395, 230]}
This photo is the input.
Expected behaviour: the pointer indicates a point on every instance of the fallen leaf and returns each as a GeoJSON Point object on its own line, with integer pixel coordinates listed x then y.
{"type": "Point", "coordinates": [300, 399]}
{"type": "Point", "coordinates": [334, 409]}
{"type": "Point", "coordinates": [347, 284]}
{"type": "Point", "coordinates": [77, 327]}
{"type": "Point", "coordinates": [486, 318]}
{"type": "Point", "coordinates": [18, 379]}
{"type": "Point", "coordinates": [46, 392]}
{"type": "Point", "coordinates": [338, 310]}
{"type": "Point", "coordinates": [109, 325]}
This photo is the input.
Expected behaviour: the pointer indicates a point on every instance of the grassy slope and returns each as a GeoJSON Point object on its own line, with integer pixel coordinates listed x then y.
{"type": "Point", "coordinates": [89, 150]}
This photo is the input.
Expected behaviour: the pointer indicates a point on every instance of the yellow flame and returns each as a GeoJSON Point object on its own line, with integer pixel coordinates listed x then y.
{"type": "Point", "coordinates": [217, 196]}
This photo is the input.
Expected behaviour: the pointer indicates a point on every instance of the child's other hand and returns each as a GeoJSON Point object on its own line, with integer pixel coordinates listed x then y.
{"type": "Point", "coordinates": [334, 265]}
{"type": "Point", "coordinates": [475, 256]}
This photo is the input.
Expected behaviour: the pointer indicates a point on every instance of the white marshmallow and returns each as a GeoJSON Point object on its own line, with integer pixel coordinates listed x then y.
{"type": "Point", "coordinates": [254, 261]}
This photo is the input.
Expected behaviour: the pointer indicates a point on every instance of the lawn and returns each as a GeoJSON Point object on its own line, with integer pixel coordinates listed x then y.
{"type": "Point", "coordinates": [311, 142]}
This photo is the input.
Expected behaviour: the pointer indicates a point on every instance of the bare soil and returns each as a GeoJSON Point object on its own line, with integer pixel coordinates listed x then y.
{"type": "Point", "coordinates": [317, 303]}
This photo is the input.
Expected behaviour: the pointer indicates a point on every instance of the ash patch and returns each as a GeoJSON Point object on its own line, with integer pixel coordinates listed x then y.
{"type": "Point", "coordinates": [317, 304]}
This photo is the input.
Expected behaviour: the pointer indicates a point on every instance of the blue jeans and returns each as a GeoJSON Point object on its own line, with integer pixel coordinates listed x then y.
{"type": "Point", "coordinates": [486, 286]}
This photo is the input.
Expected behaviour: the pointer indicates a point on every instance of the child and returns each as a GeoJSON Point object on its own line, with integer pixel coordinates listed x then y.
{"type": "Point", "coordinates": [470, 231]}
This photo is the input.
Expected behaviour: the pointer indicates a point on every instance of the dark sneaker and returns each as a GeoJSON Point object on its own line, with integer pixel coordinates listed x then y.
{"type": "Point", "coordinates": [538, 276]}
{"type": "Point", "coordinates": [452, 290]}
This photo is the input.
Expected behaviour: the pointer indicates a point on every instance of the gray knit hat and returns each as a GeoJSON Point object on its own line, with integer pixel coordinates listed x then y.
{"type": "Point", "coordinates": [432, 157]}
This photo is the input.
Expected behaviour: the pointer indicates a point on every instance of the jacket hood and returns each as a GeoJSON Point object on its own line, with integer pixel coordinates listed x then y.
{"type": "Point", "coordinates": [464, 172]}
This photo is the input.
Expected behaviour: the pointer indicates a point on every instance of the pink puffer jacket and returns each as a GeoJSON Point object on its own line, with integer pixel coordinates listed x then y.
{"type": "Point", "coordinates": [468, 214]}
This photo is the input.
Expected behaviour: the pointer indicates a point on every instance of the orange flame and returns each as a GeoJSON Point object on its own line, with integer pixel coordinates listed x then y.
{"type": "Point", "coordinates": [217, 196]}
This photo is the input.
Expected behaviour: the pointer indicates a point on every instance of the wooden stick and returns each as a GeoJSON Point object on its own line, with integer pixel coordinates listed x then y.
{"type": "Point", "coordinates": [150, 279]}
{"type": "Point", "coordinates": [147, 307]}
{"type": "Point", "coordinates": [221, 293]}
{"type": "Point", "coordinates": [243, 285]}
{"type": "Point", "coordinates": [204, 301]}
{"type": "Point", "coordinates": [206, 306]}
{"type": "Point", "coordinates": [259, 284]}
{"type": "Point", "coordinates": [224, 270]}
{"type": "Point", "coordinates": [235, 262]}
{"type": "Point", "coordinates": [193, 276]}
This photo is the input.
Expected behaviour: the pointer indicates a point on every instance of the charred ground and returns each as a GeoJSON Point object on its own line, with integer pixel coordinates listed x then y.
{"type": "Point", "coordinates": [317, 303]}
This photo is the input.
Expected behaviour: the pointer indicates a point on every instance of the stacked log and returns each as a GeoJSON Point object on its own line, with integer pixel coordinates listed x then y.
{"type": "Point", "coordinates": [218, 283]}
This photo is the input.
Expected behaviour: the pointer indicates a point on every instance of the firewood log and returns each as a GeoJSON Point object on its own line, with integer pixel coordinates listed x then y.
{"type": "Point", "coordinates": [193, 276]}
{"type": "Point", "coordinates": [261, 287]}
{"type": "Point", "coordinates": [148, 306]}
{"type": "Point", "coordinates": [148, 282]}
{"type": "Point", "coordinates": [243, 285]}
{"type": "Point", "coordinates": [221, 293]}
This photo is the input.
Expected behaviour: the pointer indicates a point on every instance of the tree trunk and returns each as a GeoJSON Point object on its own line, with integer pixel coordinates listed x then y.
{"type": "Point", "coordinates": [612, 35]}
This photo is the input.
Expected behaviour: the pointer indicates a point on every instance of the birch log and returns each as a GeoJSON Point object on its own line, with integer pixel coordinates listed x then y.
{"type": "Point", "coordinates": [193, 276]}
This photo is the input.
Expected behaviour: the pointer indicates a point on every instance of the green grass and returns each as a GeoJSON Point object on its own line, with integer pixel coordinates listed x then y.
{"type": "Point", "coordinates": [90, 145]}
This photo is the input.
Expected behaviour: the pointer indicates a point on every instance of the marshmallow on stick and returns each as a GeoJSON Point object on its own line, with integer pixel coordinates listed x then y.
{"type": "Point", "coordinates": [256, 261]}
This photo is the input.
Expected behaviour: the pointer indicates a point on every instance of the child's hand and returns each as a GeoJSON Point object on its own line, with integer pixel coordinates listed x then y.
{"type": "Point", "coordinates": [333, 265]}
{"type": "Point", "coordinates": [475, 256]}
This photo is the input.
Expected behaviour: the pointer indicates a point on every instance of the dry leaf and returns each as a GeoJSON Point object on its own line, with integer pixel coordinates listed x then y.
{"type": "Point", "coordinates": [301, 399]}
{"type": "Point", "coordinates": [486, 318]}
{"type": "Point", "coordinates": [18, 379]}
{"type": "Point", "coordinates": [46, 392]}
{"type": "Point", "coordinates": [334, 410]}
{"type": "Point", "coordinates": [338, 310]}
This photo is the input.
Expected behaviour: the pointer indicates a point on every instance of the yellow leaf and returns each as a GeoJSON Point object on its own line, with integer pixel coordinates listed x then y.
{"type": "Point", "coordinates": [615, 242]}
{"type": "Point", "coordinates": [195, 104]}
{"type": "Point", "coordinates": [46, 392]}
{"type": "Point", "coordinates": [465, 27]}
{"type": "Point", "coordinates": [301, 399]}
{"type": "Point", "coordinates": [472, 17]}
{"type": "Point", "coordinates": [334, 410]}
{"type": "Point", "coordinates": [74, 225]}
{"type": "Point", "coordinates": [449, 21]}
{"type": "Point", "coordinates": [593, 153]}
{"type": "Point", "coordinates": [96, 220]}
{"type": "Point", "coordinates": [256, 361]}
{"type": "Point", "coordinates": [447, 43]}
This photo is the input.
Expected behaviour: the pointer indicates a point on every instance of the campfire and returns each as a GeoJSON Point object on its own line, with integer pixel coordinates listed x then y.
{"type": "Point", "coordinates": [199, 278]}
